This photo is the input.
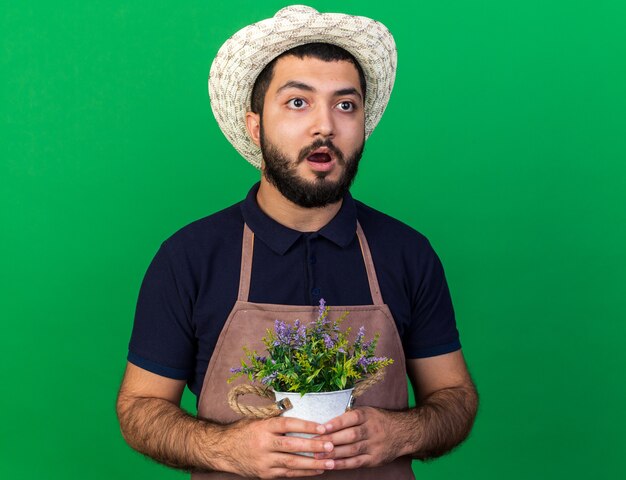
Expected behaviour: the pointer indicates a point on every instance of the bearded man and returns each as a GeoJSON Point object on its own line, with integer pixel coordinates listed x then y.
{"type": "Point", "coordinates": [297, 95]}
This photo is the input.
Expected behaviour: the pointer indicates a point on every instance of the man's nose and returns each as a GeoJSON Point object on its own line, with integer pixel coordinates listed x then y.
{"type": "Point", "coordinates": [323, 122]}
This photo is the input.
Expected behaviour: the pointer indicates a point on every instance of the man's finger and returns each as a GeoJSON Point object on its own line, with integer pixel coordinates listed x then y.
{"type": "Point", "coordinates": [348, 419]}
{"type": "Point", "coordinates": [296, 444]}
{"type": "Point", "coordinates": [360, 461]}
{"type": "Point", "coordinates": [346, 436]}
{"type": "Point", "coordinates": [300, 463]}
{"type": "Point", "coordinates": [344, 451]}
{"type": "Point", "coordinates": [283, 472]}
{"type": "Point", "coordinates": [294, 425]}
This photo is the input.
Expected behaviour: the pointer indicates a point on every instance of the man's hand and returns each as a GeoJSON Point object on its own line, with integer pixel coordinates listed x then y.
{"type": "Point", "coordinates": [258, 448]}
{"type": "Point", "coordinates": [152, 423]}
{"type": "Point", "coordinates": [363, 437]}
{"type": "Point", "coordinates": [447, 403]}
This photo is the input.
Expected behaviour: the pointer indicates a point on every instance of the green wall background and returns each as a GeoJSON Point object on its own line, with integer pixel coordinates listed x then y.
{"type": "Point", "coordinates": [504, 143]}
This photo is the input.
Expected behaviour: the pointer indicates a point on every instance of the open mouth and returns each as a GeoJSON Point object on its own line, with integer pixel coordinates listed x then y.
{"type": "Point", "coordinates": [319, 158]}
{"type": "Point", "coordinates": [321, 155]}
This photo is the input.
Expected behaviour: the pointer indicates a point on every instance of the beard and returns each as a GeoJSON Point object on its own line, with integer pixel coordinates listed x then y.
{"type": "Point", "coordinates": [281, 172]}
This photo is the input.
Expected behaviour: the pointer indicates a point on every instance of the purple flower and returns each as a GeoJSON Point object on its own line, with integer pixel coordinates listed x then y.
{"type": "Point", "coordinates": [260, 359]}
{"type": "Point", "coordinates": [236, 370]}
{"type": "Point", "coordinates": [289, 336]}
{"type": "Point", "coordinates": [328, 342]}
{"type": "Point", "coordinates": [283, 332]}
{"type": "Point", "coordinates": [322, 307]}
{"type": "Point", "coordinates": [269, 378]}
{"type": "Point", "coordinates": [364, 362]}
{"type": "Point", "coordinates": [299, 334]}
{"type": "Point", "coordinates": [359, 336]}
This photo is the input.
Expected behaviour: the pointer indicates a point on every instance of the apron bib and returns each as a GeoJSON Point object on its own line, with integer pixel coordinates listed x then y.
{"type": "Point", "coordinates": [248, 323]}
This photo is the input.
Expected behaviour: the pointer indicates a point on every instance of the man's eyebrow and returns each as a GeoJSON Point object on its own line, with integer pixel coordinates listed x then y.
{"type": "Point", "coordinates": [309, 88]}
{"type": "Point", "coordinates": [348, 91]}
{"type": "Point", "coordinates": [298, 85]}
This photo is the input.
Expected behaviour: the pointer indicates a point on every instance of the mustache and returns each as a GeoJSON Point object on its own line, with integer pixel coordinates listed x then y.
{"type": "Point", "coordinates": [306, 151]}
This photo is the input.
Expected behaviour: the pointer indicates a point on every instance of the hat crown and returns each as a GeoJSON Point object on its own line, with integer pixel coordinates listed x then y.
{"type": "Point", "coordinates": [293, 10]}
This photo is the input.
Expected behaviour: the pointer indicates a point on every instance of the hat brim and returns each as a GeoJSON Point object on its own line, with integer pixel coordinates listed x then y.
{"type": "Point", "coordinates": [243, 56]}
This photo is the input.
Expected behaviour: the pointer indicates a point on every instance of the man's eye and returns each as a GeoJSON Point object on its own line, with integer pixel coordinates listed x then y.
{"type": "Point", "coordinates": [296, 103]}
{"type": "Point", "coordinates": [346, 106]}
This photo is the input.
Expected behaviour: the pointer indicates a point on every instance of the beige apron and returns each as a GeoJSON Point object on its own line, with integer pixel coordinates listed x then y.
{"type": "Point", "coordinates": [247, 324]}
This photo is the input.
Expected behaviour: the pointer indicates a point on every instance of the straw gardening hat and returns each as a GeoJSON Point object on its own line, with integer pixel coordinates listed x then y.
{"type": "Point", "coordinates": [244, 55]}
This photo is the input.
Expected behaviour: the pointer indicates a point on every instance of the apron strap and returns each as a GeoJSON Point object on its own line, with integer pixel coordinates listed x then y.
{"type": "Point", "coordinates": [372, 279]}
{"type": "Point", "coordinates": [247, 247]}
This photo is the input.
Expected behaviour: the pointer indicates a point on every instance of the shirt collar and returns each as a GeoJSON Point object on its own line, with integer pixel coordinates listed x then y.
{"type": "Point", "coordinates": [340, 230]}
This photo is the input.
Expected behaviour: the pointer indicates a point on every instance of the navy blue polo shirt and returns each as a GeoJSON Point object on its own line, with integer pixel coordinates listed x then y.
{"type": "Point", "coordinates": [192, 283]}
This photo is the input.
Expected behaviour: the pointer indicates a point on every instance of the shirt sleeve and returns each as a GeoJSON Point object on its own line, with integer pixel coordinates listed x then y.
{"type": "Point", "coordinates": [433, 326]}
{"type": "Point", "coordinates": [162, 337]}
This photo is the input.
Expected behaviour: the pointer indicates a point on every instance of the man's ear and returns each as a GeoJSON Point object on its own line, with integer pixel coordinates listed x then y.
{"type": "Point", "coordinates": [253, 125]}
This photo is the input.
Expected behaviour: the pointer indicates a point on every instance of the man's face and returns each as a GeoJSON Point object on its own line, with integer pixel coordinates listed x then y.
{"type": "Point", "coordinates": [312, 129]}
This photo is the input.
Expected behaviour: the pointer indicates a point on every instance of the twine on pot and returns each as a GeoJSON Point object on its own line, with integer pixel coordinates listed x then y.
{"type": "Point", "coordinates": [269, 411]}
{"type": "Point", "coordinates": [276, 408]}
{"type": "Point", "coordinates": [360, 387]}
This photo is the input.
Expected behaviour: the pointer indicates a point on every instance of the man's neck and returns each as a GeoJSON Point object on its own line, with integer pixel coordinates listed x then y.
{"type": "Point", "coordinates": [293, 216]}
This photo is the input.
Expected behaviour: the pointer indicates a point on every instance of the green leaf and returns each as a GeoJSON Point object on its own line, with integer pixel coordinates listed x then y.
{"type": "Point", "coordinates": [311, 377]}
{"type": "Point", "coordinates": [317, 387]}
